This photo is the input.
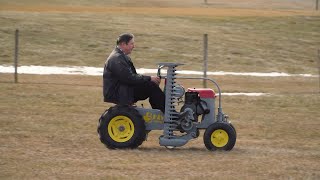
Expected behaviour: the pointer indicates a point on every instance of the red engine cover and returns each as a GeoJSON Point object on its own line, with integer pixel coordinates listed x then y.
{"type": "Point", "coordinates": [203, 92]}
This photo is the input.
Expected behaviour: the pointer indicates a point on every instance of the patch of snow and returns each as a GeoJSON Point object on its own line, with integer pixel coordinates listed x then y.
{"type": "Point", "coordinates": [245, 94]}
{"type": "Point", "coordinates": [96, 71]}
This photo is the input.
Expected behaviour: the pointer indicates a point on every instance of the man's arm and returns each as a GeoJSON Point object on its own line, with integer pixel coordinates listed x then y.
{"type": "Point", "coordinates": [122, 71]}
{"type": "Point", "coordinates": [156, 79]}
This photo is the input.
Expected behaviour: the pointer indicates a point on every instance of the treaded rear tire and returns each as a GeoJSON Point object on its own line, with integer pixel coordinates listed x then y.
{"type": "Point", "coordinates": [130, 121]}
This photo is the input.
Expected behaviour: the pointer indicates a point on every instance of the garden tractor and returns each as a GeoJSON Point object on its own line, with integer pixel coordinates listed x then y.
{"type": "Point", "coordinates": [124, 126]}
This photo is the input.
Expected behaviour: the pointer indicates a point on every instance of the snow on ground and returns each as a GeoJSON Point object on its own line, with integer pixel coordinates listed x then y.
{"type": "Point", "coordinates": [95, 71]}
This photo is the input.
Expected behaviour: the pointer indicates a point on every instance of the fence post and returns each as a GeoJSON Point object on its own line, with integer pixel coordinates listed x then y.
{"type": "Point", "coordinates": [205, 58]}
{"type": "Point", "coordinates": [317, 5]}
{"type": "Point", "coordinates": [319, 67]}
{"type": "Point", "coordinates": [16, 52]}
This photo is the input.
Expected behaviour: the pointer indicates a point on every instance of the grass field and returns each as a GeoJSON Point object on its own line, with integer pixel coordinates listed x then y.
{"type": "Point", "coordinates": [260, 4]}
{"type": "Point", "coordinates": [48, 122]}
{"type": "Point", "coordinates": [48, 130]}
{"type": "Point", "coordinates": [239, 39]}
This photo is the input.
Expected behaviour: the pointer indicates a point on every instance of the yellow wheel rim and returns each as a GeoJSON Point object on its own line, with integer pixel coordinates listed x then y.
{"type": "Point", "coordinates": [121, 128]}
{"type": "Point", "coordinates": [219, 138]}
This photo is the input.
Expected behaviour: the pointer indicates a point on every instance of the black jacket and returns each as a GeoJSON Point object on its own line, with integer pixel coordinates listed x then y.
{"type": "Point", "coordinates": [119, 77]}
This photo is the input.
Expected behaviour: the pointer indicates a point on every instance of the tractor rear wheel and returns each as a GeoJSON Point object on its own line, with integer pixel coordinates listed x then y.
{"type": "Point", "coordinates": [219, 136]}
{"type": "Point", "coordinates": [121, 127]}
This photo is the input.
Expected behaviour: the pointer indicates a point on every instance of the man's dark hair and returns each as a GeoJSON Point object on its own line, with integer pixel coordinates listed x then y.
{"type": "Point", "coordinates": [126, 37]}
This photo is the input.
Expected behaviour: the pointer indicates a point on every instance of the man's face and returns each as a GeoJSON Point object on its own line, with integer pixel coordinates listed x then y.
{"type": "Point", "coordinates": [127, 48]}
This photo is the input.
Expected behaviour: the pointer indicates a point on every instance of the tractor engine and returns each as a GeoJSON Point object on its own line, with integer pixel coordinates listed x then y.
{"type": "Point", "coordinates": [194, 102]}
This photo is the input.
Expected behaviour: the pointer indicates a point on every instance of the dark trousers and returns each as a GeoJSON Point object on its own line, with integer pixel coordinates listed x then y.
{"type": "Point", "coordinates": [153, 92]}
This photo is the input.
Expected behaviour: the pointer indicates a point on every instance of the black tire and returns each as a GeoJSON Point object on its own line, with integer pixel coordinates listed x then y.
{"type": "Point", "coordinates": [121, 127]}
{"type": "Point", "coordinates": [219, 136]}
{"type": "Point", "coordinates": [233, 128]}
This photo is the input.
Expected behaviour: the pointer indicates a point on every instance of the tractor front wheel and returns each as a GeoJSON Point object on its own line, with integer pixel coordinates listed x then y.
{"type": "Point", "coordinates": [121, 127]}
{"type": "Point", "coordinates": [219, 136]}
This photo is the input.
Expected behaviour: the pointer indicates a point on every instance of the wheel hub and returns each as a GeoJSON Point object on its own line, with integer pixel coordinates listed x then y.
{"type": "Point", "coordinates": [121, 128]}
{"type": "Point", "coordinates": [219, 138]}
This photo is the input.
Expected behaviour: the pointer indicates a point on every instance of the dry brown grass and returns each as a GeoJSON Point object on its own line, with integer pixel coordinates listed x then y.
{"type": "Point", "coordinates": [169, 11]}
{"type": "Point", "coordinates": [252, 4]}
{"type": "Point", "coordinates": [48, 131]}
{"type": "Point", "coordinates": [241, 44]}
{"type": "Point", "coordinates": [48, 123]}
{"type": "Point", "coordinates": [240, 39]}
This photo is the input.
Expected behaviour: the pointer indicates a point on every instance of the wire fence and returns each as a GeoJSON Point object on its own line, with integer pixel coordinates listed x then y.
{"type": "Point", "coordinates": [205, 58]}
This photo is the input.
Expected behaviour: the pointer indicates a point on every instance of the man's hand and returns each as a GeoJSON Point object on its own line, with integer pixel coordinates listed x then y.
{"type": "Point", "coordinates": [155, 79]}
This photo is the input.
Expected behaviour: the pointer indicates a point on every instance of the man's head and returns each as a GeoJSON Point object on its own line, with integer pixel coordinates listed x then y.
{"type": "Point", "coordinates": [126, 42]}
